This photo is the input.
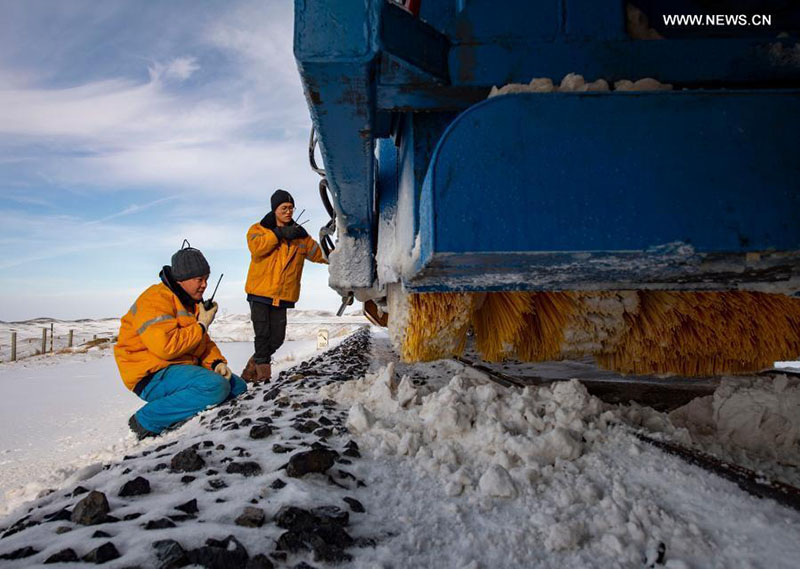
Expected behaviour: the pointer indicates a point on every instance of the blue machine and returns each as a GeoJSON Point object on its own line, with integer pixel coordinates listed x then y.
{"type": "Point", "coordinates": [434, 185]}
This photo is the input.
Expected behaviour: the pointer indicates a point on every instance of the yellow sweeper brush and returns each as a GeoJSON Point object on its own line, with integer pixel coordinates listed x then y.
{"type": "Point", "coordinates": [633, 332]}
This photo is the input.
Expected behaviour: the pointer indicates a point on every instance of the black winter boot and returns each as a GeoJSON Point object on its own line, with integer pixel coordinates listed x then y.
{"type": "Point", "coordinates": [139, 431]}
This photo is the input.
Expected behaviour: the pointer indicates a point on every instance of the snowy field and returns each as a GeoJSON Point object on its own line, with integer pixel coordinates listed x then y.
{"type": "Point", "coordinates": [457, 471]}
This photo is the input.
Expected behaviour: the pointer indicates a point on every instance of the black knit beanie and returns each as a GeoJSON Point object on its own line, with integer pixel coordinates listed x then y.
{"type": "Point", "coordinates": [188, 263]}
{"type": "Point", "coordinates": [279, 197]}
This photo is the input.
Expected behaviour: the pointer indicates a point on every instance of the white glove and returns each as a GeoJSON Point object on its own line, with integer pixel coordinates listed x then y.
{"type": "Point", "coordinates": [223, 370]}
{"type": "Point", "coordinates": [206, 317]}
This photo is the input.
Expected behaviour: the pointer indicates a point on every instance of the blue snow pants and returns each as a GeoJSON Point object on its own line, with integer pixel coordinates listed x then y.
{"type": "Point", "coordinates": [179, 392]}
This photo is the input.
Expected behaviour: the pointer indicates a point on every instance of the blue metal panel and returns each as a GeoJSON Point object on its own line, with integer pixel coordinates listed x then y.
{"type": "Point", "coordinates": [622, 172]}
{"type": "Point", "coordinates": [336, 51]}
{"type": "Point", "coordinates": [698, 62]}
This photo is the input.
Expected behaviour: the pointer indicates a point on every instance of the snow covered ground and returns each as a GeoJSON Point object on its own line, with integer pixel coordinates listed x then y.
{"type": "Point", "coordinates": [61, 411]}
{"type": "Point", "coordinates": [456, 471]}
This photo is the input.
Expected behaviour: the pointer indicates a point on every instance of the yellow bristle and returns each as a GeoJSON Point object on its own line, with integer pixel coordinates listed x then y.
{"type": "Point", "coordinates": [542, 332]}
{"type": "Point", "coordinates": [437, 325]}
{"type": "Point", "coordinates": [497, 323]}
{"type": "Point", "coordinates": [707, 333]}
{"type": "Point", "coordinates": [644, 332]}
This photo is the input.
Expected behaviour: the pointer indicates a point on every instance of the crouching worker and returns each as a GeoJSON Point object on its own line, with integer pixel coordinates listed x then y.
{"type": "Point", "coordinates": [164, 353]}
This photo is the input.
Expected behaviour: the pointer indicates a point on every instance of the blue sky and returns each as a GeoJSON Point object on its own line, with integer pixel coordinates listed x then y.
{"type": "Point", "coordinates": [126, 126]}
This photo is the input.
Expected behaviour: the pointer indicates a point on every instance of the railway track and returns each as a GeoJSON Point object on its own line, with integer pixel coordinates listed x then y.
{"type": "Point", "coordinates": [668, 396]}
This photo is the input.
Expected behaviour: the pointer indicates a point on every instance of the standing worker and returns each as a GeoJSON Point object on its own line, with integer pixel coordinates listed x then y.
{"type": "Point", "coordinates": [278, 248]}
{"type": "Point", "coordinates": [164, 353]}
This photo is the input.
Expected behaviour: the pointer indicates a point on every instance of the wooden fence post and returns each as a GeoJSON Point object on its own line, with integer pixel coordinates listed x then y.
{"type": "Point", "coordinates": [44, 341]}
{"type": "Point", "coordinates": [13, 346]}
{"type": "Point", "coordinates": [69, 344]}
{"type": "Point", "coordinates": [52, 338]}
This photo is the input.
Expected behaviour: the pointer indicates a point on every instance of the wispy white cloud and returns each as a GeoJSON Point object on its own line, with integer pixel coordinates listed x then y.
{"type": "Point", "coordinates": [132, 209]}
{"type": "Point", "coordinates": [180, 68]}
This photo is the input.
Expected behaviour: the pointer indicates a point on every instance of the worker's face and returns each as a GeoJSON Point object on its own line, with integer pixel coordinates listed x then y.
{"type": "Point", "coordinates": [195, 287]}
{"type": "Point", "coordinates": [284, 213]}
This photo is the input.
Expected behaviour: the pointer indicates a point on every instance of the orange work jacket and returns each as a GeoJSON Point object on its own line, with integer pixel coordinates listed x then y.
{"type": "Point", "coordinates": [158, 332]}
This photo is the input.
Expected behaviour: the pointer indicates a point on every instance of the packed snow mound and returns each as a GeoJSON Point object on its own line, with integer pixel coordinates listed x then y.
{"type": "Point", "coordinates": [478, 436]}
{"type": "Point", "coordinates": [758, 414]}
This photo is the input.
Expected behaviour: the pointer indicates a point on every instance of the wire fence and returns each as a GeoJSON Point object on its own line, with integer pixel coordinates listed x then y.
{"type": "Point", "coordinates": [16, 345]}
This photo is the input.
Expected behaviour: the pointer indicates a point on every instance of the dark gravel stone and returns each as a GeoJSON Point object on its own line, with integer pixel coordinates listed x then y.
{"type": "Point", "coordinates": [63, 556]}
{"type": "Point", "coordinates": [220, 446]}
{"type": "Point", "coordinates": [246, 422]}
{"type": "Point", "coordinates": [62, 515]}
{"type": "Point", "coordinates": [165, 446]}
{"type": "Point", "coordinates": [323, 432]}
{"type": "Point", "coordinates": [277, 484]}
{"type": "Point", "coordinates": [170, 554]}
{"type": "Point", "coordinates": [20, 553]}
{"type": "Point", "coordinates": [330, 553]}
{"type": "Point", "coordinates": [182, 517]}
{"type": "Point", "coordinates": [272, 394]}
{"type": "Point", "coordinates": [130, 517]}
{"type": "Point", "coordinates": [352, 453]}
{"type": "Point", "coordinates": [291, 541]}
{"type": "Point", "coordinates": [325, 422]}
{"type": "Point", "coordinates": [355, 505]}
{"type": "Point", "coordinates": [247, 468]}
{"type": "Point", "coordinates": [189, 507]}
{"type": "Point", "coordinates": [260, 561]}
{"type": "Point", "coordinates": [102, 554]}
{"type": "Point", "coordinates": [351, 444]}
{"type": "Point", "coordinates": [312, 461]}
{"type": "Point", "coordinates": [294, 518]}
{"type": "Point", "coordinates": [260, 432]}
{"type": "Point", "coordinates": [187, 461]}
{"type": "Point", "coordinates": [162, 523]}
{"type": "Point", "coordinates": [207, 444]}
{"type": "Point", "coordinates": [91, 510]}
{"type": "Point", "coordinates": [303, 565]}
{"type": "Point", "coordinates": [251, 517]}
{"type": "Point", "coordinates": [332, 514]}
{"type": "Point", "coordinates": [211, 472]}
{"type": "Point", "coordinates": [307, 426]}
{"type": "Point", "coordinates": [136, 487]}
{"type": "Point", "coordinates": [281, 449]}
{"type": "Point", "coordinates": [79, 490]}
{"type": "Point", "coordinates": [160, 466]}
{"type": "Point", "coordinates": [126, 471]}
{"type": "Point", "coordinates": [100, 533]}
{"type": "Point", "coordinates": [217, 484]}
{"type": "Point", "coordinates": [215, 554]}
{"type": "Point", "coordinates": [186, 479]}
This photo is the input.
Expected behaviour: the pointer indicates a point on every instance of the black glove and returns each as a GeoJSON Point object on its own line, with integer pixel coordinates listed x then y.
{"type": "Point", "coordinates": [294, 231]}
{"type": "Point", "coordinates": [279, 232]}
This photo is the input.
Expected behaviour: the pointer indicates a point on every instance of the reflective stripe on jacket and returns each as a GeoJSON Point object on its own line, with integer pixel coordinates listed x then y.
{"type": "Point", "coordinates": [158, 332]}
{"type": "Point", "coordinates": [277, 266]}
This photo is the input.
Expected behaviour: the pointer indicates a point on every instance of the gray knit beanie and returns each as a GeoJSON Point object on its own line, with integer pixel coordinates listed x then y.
{"type": "Point", "coordinates": [188, 263]}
